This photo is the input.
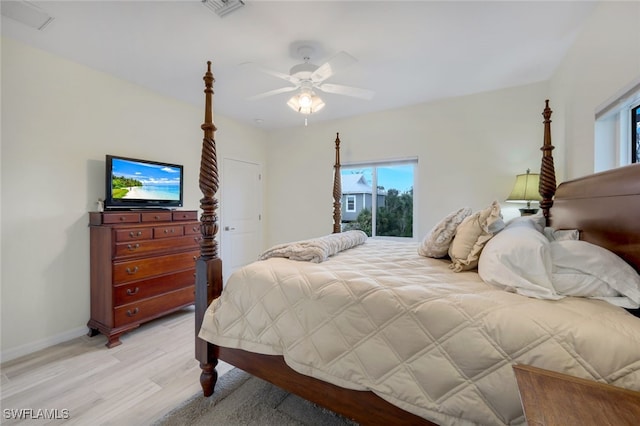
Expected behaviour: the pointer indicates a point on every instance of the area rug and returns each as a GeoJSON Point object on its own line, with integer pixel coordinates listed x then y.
{"type": "Point", "coordinates": [240, 399]}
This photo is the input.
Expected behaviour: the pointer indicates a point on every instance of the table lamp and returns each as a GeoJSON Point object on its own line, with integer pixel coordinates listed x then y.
{"type": "Point", "coordinates": [526, 190]}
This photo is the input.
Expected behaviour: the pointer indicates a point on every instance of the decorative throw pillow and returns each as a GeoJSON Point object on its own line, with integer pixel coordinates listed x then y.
{"type": "Point", "coordinates": [471, 236]}
{"type": "Point", "coordinates": [436, 243]}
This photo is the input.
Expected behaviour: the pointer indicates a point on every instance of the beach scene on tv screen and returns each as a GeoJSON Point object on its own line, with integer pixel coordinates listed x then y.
{"type": "Point", "coordinates": [144, 181]}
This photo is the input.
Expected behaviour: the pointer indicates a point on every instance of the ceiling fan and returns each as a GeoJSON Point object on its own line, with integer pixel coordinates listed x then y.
{"type": "Point", "coordinates": [308, 77]}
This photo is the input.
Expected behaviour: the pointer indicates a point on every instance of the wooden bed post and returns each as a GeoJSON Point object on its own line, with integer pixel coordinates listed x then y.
{"type": "Point", "coordinates": [547, 186]}
{"type": "Point", "coordinates": [208, 265]}
{"type": "Point", "coordinates": [337, 190]}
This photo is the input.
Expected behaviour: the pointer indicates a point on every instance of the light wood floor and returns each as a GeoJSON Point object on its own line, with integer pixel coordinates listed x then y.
{"type": "Point", "coordinates": [136, 383]}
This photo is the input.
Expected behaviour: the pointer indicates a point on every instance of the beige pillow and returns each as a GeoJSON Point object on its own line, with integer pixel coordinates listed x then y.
{"type": "Point", "coordinates": [436, 243]}
{"type": "Point", "coordinates": [471, 236]}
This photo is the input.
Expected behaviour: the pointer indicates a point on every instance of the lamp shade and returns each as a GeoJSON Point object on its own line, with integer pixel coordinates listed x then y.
{"type": "Point", "coordinates": [306, 103]}
{"type": "Point", "coordinates": [526, 188]}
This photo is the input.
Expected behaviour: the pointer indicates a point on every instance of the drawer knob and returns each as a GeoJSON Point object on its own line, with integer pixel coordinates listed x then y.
{"type": "Point", "coordinates": [122, 218]}
{"type": "Point", "coordinates": [132, 292]}
{"type": "Point", "coordinates": [133, 247]}
{"type": "Point", "coordinates": [131, 313]}
{"type": "Point", "coordinates": [132, 271]}
{"type": "Point", "coordinates": [137, 234]}
{"type": "Point", "coordinates": [166, 231]}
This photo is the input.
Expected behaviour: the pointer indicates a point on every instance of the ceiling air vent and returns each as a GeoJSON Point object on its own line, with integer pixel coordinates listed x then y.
{"type": "Point", "coordinates": [223, 7]}
{"type": "Point", "coordinates": [26, 13]}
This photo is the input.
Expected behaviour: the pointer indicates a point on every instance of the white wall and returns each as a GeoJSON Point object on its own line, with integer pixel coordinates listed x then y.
{"type": "Point", "coordinates": [469, 148]}
{"type": "Point", "coordinates": [469, 151]}
{"type": "Point", "coordinates": [59, 119]}
{"type": "Point", "coordinates": [603, 60]}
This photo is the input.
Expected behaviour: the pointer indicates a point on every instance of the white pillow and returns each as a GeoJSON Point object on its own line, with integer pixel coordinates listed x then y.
{"type": "Point", "coordinates": [561, 234]}
{"type": "Point", "coordinates": [471, 236]}
{"type": "Point", "coordinates": [537, 221]}
{"type": "Point", "coordinates": [584, 269]}
{"type": "Point", "coordinates": [436, 243]}
{"type": "Point", "coordinates": [518, 259]}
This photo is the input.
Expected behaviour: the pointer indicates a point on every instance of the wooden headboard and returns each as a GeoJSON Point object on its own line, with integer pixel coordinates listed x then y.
{"type": "Point", "coordinates": [605, 208]}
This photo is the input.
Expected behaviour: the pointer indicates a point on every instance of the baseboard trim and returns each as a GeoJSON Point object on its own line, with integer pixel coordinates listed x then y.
{"type": "Point", "coordinates": [29, 348]}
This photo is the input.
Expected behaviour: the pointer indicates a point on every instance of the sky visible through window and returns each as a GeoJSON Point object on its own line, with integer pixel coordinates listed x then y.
{"type": "Point", "coordinates": [398, 177]}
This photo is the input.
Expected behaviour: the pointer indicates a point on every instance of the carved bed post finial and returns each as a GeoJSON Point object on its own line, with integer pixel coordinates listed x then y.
{"type": "Point", "coordinates": [547, 186]}
{"type": "Point", "coordinates": [208, 175]}
{"type": "Point", "coordinates": [337, 190]}
{"type": "Point", "coordinates": [208, 265]}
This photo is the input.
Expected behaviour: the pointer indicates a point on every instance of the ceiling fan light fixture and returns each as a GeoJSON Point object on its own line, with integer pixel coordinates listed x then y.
{"type": "Point", "coordinates": [306, 103]}
{"type": "Point", "coordinates": [305, 100]}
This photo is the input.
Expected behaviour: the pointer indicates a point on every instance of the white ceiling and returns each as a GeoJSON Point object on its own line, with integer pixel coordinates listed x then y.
{"type": "Point", "coordinates": [408, 52]}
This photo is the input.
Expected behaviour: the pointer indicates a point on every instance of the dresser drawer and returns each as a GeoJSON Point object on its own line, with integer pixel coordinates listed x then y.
{"type": "Point", "coordinates": [192, 229]}
{"type": "Point", "coordinates": [139, 269]}
{"type": "Point", "coordinates": [133, 234]}
{"type": "Point", "coordinates": [185, 215]}
{"type": "Point", "coordinates": [159, 245]}
{"type": "Point", "coordinates": [120, 217]}
{"type": "Point", "coordinates": [153, 307]}
{"type": "Point", "coordinates": [168, 231]}
{"type": "Point", "coordinates": [138, 290]}
{"type": "Point", "coordinates": [156, 216]}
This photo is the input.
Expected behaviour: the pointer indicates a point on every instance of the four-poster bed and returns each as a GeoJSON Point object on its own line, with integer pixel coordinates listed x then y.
{"type": "Point", "coordinates": [576, 205]}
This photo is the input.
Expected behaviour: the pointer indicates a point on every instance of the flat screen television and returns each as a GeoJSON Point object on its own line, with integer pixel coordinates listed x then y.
{"type": "Point", "coordinates": [142, 184]}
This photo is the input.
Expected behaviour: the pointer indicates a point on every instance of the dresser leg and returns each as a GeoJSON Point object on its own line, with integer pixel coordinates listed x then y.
{"type": "Point", "coordinates": [114, 340]}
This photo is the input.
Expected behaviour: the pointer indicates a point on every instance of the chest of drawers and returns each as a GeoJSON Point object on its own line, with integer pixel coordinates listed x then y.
{"type": "Point", "coordinates": [142, 267]}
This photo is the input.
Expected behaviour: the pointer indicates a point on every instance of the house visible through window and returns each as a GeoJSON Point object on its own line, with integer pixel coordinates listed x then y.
{"type": "Point", "coordinates": [378, 198]}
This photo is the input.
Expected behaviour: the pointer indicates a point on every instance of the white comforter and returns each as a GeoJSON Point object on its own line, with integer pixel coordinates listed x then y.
{"type": "Point", "coordinates": [434, 342]}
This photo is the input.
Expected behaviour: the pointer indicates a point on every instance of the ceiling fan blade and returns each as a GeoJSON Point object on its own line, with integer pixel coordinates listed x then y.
{"type": "Point", "coordinates": [336, 63]}
{"type": "Point", "coordinates": [273, 92]}
{"type": "Point", "coordinates": [291, 79]}
{"type": "Point", "coordinates": [339, 89]}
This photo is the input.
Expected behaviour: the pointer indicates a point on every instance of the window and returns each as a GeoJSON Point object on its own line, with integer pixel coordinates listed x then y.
{"type": "Point", "coordinates": [378, 198]}
{"type": "Point", "coordinates": [616, 130]}
{"type": "Point", "coordinates": [351, 203]}
{"type": "Point", "coordinates": [635, 134]}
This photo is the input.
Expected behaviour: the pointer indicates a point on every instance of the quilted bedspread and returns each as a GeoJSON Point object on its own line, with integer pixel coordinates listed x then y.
{"type": "Point", "coordinates": [434, 342]}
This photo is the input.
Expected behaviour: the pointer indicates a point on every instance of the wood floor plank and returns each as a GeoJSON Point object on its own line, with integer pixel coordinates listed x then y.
{"type": "Point", "coordinates": [136, 383]}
